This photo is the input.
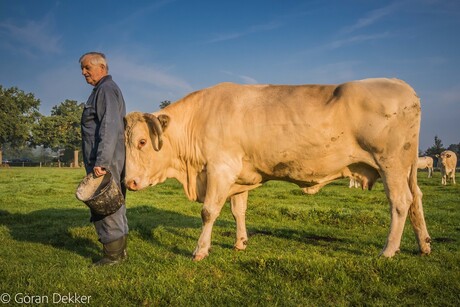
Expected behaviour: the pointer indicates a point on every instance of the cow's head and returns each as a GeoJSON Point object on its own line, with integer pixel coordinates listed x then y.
{"type": "Point", "coordinates": [147, 157]}
{"type": "Point", "coordinates": [444, 157]}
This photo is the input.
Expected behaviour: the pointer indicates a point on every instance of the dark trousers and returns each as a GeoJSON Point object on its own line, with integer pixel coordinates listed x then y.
{"type": "Point", "coordinates": [112, 227]}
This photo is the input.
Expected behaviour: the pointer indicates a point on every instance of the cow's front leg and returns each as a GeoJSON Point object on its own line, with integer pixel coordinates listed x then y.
{"type": "Point", "coordinates": [209, 214]}
{"type": "Point", "coordinates": [217, 191]}
{"type": "Point", "coordinates": [221, 175]}
{"type": "Point", "coordinates": [444, 179]}
{"type": "Point", "coordinates": [239, 204]}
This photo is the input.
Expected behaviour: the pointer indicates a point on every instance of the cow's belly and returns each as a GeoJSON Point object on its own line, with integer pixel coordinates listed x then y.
{"type": "Point", "coordinates": [304, 179]}
{"type": "Point", "coordinates": [302, 172]}
{"type": "Point", "coordinates": [339, 162]}
{"type": "Point", "coordinates": [306, 172]}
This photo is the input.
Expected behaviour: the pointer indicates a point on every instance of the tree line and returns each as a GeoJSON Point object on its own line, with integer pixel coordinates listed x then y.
{"type": "Point", "coordinates": [22, 126]}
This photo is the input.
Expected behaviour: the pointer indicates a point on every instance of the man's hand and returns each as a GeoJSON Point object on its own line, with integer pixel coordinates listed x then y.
{"type": "Point", "coordinates": [99, 171]}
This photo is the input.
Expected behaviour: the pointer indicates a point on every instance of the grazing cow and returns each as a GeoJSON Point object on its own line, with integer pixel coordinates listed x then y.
{"type": "Point", "coordinates": [224, 141]}
{"type": "Point", "coordinates": [426, 162]}
{"type": "Point", "coordinates": [447, 162]}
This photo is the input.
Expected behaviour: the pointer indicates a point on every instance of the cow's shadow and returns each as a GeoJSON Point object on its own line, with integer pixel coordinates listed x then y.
{"type": "Point", "coordinates": [145, 219]}
{"type": "Point", "coordinates": [57, 228]}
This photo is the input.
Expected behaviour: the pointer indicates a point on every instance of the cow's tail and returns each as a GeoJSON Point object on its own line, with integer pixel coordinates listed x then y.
{"type": "Point", "coordinates": [413, 186]}
{"type": "Point", "coordinates": [416, 212]}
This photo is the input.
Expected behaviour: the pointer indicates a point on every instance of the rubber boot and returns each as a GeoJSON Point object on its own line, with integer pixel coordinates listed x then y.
{"type": "Point", "coordinates": [114, 252]}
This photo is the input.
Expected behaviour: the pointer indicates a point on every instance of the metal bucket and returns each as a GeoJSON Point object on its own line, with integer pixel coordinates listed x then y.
{"type": "Point", "coordinates": [101, 194]}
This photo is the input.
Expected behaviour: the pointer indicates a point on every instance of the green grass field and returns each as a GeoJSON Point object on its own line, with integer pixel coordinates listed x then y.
{"type": "Point", "coordinates": [304, 250]}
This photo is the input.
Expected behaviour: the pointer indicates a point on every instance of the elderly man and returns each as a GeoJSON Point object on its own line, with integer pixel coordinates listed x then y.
{"type": "Point", "coordinates": [104, 150]}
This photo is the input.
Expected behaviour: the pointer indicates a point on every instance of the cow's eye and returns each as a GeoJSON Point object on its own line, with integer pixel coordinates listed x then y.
{"type": "Point", "coordinates": [142, 143]}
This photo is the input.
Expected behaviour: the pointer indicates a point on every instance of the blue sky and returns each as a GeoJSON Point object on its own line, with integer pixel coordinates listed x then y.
{"type": "Point", "coordinates": [162, 50]}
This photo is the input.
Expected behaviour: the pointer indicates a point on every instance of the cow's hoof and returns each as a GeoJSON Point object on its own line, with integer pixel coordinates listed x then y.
{"type": "Point", "coordinates": [388, 253]}
{"type": "Point", "coordinates": [311, 190]}
{"type": "Point", "coordinates": [199, 257]}
{"type": "Point", "coordinates": [241, 245]}
{"type": "Point", "coordinates": [425, 251]}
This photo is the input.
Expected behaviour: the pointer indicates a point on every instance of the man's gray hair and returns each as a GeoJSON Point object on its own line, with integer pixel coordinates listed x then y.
{"type": "Point", "coordinates": [96, 58]}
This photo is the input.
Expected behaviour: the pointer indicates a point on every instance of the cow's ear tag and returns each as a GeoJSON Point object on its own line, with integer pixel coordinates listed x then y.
{"type": "Point", "coordinates": [164, 120]}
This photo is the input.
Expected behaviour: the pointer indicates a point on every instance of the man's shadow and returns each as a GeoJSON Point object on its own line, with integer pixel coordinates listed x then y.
{"type": "Point", "coordinates": [56, 227]}
{"type": "Point", "coordinates": [50, 227]}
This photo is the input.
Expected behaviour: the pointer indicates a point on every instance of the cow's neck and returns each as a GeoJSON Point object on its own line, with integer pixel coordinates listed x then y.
{"type": "Point", "coordinates": [187, 159]}
{"type": "Point", "coordinates": [186, 173]}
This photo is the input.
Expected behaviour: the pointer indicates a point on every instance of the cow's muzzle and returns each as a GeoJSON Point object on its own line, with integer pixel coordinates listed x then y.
{"type": "Point", "coordinates": [132, 185]}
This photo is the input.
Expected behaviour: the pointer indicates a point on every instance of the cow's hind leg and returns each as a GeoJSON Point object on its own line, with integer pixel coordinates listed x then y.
{"type": "Point", "coordinates": [417, 219]}
{"type": "Point", "coordinates": [400, 198]}
{"type": "Point", "coordinates": [239, 203]}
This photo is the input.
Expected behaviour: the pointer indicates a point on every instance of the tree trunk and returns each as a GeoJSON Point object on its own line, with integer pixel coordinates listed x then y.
{"type": "Point", "coordinates": [75, 158]}
{"type": "Point", "coordinates": [1, 156]}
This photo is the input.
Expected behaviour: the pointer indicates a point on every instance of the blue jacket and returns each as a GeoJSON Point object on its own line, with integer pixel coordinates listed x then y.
{"type": "Point", "coordinates": [102, 129]}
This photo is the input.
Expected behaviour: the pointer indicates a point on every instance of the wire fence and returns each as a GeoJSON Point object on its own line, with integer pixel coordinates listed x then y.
{"type": "Point", "coordinates": [38, 164]}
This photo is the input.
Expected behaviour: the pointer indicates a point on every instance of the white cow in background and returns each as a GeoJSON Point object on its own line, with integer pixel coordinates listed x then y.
{"type": "Point", "coordinates": [426, 162]}
{"type": "Point", "coordinates": [447, 162]}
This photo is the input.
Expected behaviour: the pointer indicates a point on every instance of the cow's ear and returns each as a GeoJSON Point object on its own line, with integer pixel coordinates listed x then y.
{"type": "Point", "coordinates": [164, 120]}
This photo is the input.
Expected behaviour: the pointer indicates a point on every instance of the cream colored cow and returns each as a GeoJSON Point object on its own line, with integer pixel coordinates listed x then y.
{"type": "Point", "coordinates": [447, 162]}
{"type": "Point", "coordinates": [426, 163]}
{"type": "Point", "coordinates": [224, 141]}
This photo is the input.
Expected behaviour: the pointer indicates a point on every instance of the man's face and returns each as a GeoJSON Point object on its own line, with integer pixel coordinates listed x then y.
{"type": "Point", "coordinates": [92, 72]}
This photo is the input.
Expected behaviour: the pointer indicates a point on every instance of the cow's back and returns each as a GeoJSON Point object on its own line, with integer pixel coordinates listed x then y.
{"type": "Point", "coordinates": [297, 132]}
